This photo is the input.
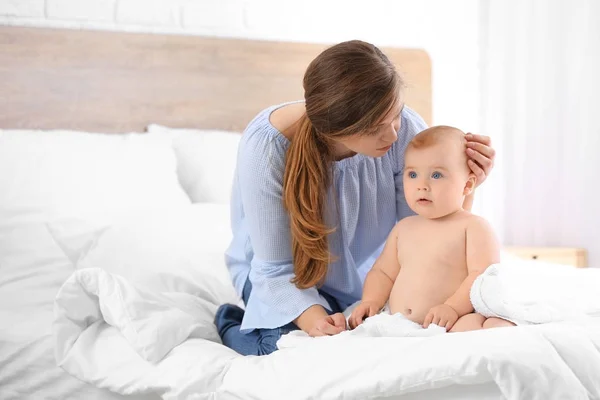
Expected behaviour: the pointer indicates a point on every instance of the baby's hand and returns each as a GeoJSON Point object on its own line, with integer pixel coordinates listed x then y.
{"type": "Point", "coordinates": [362, 311]}
{"type": "Point", "coordinates": [442, 315]}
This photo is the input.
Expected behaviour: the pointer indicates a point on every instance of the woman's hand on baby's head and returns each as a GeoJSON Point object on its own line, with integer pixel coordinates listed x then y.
{"type": "Point", "coordinates": [361, 312]}
{"type": "Point", "coordinates": [481, 156]}
{"type": "Point", "coordinates": [442, 315]}
{"type": "Point", "coordinates": [329, 325]}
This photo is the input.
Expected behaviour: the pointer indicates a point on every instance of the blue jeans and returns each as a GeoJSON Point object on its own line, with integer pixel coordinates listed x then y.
{"type": "Point", "coordinates": [259, 342]}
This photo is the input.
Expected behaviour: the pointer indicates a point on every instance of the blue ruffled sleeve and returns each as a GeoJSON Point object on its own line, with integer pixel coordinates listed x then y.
{"type": "Point", "coordinates": [274, 300]}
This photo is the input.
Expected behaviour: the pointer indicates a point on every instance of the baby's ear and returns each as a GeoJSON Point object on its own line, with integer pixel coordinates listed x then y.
{"type": "Point", "coordinates": [470, 185]}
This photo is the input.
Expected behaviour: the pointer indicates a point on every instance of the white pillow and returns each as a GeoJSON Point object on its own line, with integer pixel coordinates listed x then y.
{"type": "Point", "coordinates": [177, 250]}
{"type": "Point", "coordinates": [48, 174]}
{"type": "Point", "coordinates": [45, 174]}
{"type": "Point", "coordinates": [206, 161]}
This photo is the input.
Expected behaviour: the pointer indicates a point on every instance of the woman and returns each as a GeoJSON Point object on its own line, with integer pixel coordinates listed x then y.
{"type": "Point", "coordinates": [318, 188]}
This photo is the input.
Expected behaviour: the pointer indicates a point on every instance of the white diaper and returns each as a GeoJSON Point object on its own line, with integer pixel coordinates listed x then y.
{"type": "Point", "coordinates": [393, 325]}
{"type": "Point", "coordinates": [383, 324]}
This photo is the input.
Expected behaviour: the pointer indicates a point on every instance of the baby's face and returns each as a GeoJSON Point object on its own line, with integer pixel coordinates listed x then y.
{"type": "Point", "coordinates": [435, 178]}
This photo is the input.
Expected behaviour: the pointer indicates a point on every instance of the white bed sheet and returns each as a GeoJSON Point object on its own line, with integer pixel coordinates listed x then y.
{"type": "Point", "coordinates": [555, 360]}
{"type": "Point", "coordinates": [28, 368]}
{"type": "Point", "coordinates": [30, 276]}
{"type": "Point", "coordinates": [476, 391]}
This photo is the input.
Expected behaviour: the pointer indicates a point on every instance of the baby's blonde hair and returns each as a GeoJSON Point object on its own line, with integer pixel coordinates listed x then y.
{"type": "Point", "coordinates": [454, 137]}
{"type": "Point", "coordinates": [434, 135]}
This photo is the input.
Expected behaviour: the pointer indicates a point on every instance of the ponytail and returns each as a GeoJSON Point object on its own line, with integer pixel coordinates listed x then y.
{"type": "Point", "coordinates": [339, 102]}
{"type": "Point", "coordinates": [305, 183]}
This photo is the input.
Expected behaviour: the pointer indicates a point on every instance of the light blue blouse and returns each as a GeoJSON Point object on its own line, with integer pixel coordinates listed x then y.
{"type": "Point", "coordinates": [364, 203]}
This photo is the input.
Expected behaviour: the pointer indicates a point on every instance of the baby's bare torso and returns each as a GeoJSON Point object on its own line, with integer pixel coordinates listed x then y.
{"type": "Point", "coordinates": [433, 264]}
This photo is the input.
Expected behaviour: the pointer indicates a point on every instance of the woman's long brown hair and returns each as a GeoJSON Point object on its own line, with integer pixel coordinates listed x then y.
{"type": "Point", "coordinates": [348, 89]}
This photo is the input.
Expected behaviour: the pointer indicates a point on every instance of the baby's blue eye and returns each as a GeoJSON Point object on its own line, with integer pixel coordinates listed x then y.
{"type": "Point", "coordinates": [412, 174]}
{"type": "Point", "coordinates": [436, 175]}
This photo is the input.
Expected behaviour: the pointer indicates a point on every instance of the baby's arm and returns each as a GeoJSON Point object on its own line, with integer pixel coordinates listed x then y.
{"type": "Point", "coordinates": [379, 280]}
{"type": "Point", "coordinates": [483, 250]}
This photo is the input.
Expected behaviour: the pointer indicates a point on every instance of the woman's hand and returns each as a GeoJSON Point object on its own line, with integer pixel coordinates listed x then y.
{"type": "Point", "coordinates": [362, 311]}
{"type": "Point", "coordinates": [329, 325]}
{"type": "Point", "coordinates": [481, 156]}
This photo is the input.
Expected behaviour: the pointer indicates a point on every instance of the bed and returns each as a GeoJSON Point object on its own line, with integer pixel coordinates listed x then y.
{"type": "Point", "coordinates": [109, 184]}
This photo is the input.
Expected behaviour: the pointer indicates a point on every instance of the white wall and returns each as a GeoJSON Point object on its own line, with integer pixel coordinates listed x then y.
{"type": "Point", "coordinates": [448, 31]}
{"type": "Point", "coordinates": [540, 98]}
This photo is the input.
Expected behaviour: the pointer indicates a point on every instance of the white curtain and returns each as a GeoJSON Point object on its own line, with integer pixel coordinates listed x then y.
{"type": "Point", "coordinates": [540, 80]}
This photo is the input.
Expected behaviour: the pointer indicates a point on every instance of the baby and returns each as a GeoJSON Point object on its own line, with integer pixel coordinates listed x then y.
{"type": "Point", "coordinates": [430, 260]}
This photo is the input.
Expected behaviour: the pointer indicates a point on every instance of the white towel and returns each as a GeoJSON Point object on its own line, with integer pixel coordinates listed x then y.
{"type": "Point", "coordinates": [527, 292]}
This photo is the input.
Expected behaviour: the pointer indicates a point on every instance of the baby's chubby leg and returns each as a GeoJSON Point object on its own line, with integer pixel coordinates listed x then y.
{"type": "Point", "coordinates": [496, 323]}
{"type": "Point", "coordinates": [469, 322]}
{"type": "Point", "coordinates": [475, 321]}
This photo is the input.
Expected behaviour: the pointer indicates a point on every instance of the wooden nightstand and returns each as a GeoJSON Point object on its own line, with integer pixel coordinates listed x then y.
{"type": "Point", "coordinates": [558, 255]}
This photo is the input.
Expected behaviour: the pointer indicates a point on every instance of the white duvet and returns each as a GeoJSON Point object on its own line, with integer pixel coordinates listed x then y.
{"type": "Point", "coordinates": [126, 339]}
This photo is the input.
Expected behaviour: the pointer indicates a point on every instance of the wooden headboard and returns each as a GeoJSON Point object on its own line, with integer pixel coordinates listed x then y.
{"type": "Point", "coordinates": [119, 82]}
